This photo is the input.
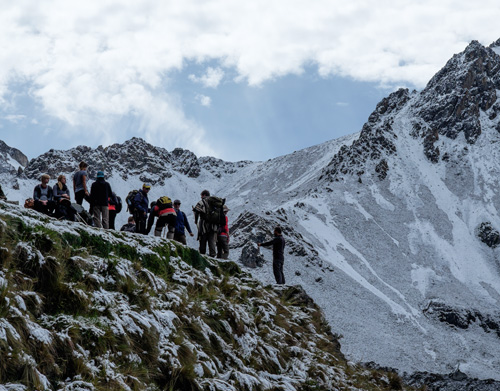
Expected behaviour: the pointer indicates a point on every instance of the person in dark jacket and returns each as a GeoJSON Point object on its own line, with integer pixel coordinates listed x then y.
{"type": "Point", "coordinates": [100, 191]}
{"type": "Point", "coordinates": [181, 224]}
{"type": "Point", "coordinates": [43, 196]}
{"type": "Point", "coordinates": [207, 232]}
{"type": "Point", "coordinates": [113, 208]}
{"type": "Point", "coordinates": [166, 217]}
{"type": "Point", "coordinates": [62, 200]}
{"type": "Point", "coordinates": [130, 226]}
{"type": "Point", "coordinates": [223, 237]}
{"type": "Point", "coordinates": [141, 203]}
{"type": "Point", "coordinates": [278, 243]}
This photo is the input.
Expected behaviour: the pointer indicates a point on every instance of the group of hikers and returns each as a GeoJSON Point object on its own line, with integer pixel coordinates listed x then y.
{"type": "Point", "coordinates": [210, 212]}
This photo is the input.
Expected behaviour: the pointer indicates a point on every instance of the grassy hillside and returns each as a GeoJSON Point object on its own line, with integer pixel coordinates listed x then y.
{"type": "Point", "coordinates": [88, 309]}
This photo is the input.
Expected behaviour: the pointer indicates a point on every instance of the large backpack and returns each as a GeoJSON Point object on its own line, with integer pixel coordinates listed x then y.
{"type": "Point", "coordinates": [215, 214]}
{"type": "Point", "coordinates": [130, 200]}
{"type": "Point", "coordinates": [118, 206]}
{"type": "Point", "coordinates": [164, 202]}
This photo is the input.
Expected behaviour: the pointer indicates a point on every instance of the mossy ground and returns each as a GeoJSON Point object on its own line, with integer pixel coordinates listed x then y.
{"type": "Point", "coordinates": [112, 311]}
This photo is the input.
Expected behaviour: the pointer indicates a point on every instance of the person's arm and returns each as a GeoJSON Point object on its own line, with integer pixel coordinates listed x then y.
{"type": "Point", "coordinates": [57, 197]}
{"type": "Point", "coordinates": [84, 181]}
{"type": "Point", "coordinates": [36, 193]}
{"type": "Point", "coordinates": [186, 224]}
{"type": "Point", "coordinates": [266, 244]}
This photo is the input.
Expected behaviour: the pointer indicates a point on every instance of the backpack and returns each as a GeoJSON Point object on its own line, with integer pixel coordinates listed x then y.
{"type": "Point", "coordinates": [118, 205]}
{"type": "Point", "coordinates": [130, 200]}
{"type": "Point", "coordinates": [164, 202]}
{"type": "Point", "coordinates": [215, 214]}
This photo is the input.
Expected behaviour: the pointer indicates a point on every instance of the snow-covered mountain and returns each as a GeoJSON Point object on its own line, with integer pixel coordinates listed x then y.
{"type": "Point", "coordinates": [392, 231]}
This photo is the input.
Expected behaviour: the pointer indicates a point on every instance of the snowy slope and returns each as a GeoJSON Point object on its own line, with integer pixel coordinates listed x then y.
{"type": "Point", "coordinates": [383, 227]}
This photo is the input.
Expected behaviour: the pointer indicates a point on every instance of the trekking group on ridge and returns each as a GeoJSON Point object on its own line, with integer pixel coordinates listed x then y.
{"type": "Point", "coordinates": [210, 212]}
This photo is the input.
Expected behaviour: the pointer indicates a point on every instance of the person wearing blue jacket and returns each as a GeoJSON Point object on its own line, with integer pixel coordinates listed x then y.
{"type": "Point", "coordinates": [182, 222]}
{"type": "Point", "coordinates": [141, 205]}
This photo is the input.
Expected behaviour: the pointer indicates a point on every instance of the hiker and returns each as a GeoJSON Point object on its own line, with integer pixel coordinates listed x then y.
{"type": "Point", "coordinates": [166, 217]}
{"type": "Point", "coordinates": [141, 204]}
{"type": "Point", "coordinates": [80, 179]}
{"type": "Point", "coordinates": [130, 226]}
{"type": "Point", "coordinates": [114, 207]}
{"type": "Point", "coordinates": [44, 196]}
{"type": "Point", "coordinates": [223, 237]}
{"type": "Point", "coordinates": [181, 223]}
{"type": "Point", "coordinates": [207, 231]}
{"type": "Point", "coordinates": [278, 243]}
{"type": "Point", "coordinates": [100, 191]}
{"type": "Point", "coordinates": [62, 200]}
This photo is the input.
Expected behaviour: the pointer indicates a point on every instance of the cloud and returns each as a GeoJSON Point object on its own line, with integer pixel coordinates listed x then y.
{"type": "Point", "coordinates": [92, 63]}
{"type": "Point", "coordinates": [342, 104]}
{"type": "Point", "coordinates": [14, 118]}
{"type": "Point", "coordinates": [211, 78]}
{"type": "Point", "coordinates": [204, 100]}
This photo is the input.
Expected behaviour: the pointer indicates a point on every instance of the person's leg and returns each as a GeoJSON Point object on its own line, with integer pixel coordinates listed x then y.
{"type": "Point", "coordinates": [79, 196]}
{"type": "Point", "coordinates": [225, 247]}
{"type": "Point", "coordinates": [105, 217]}
{"type": "Point", "coordinates": [171, 231]}
{"type": "Point", "coordinates": [219, 246]}
{"type": "Point", "coordinates": [112, 217]}
{"type": "Point", "coordinates": [212, 240]}
{"type": "Point", "coordinates": [180, 238]}
{"type": "Point", "coordinates": [160, 224]}
{"type": "Point", "coordinates": [278, 271]}
{"type": "Point", "coordinates": [96, 216]}
{"type": "Point", "coordinates": [203, 243]}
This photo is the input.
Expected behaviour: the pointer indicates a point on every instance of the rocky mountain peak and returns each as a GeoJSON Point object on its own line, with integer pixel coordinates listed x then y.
{"type": "Point", "coordinates": [450, 105]}
{"type": "Point", "coordinates": [454, 98]}
{"type": "Point", "coordinates": [12, 160]}
{"type": "Point", "coordinates": [374, 143]}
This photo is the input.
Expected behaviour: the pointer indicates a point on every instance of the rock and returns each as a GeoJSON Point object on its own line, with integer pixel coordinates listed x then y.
{"type": "Point", "coordinates": [488, 235]}
{"type": "Point", "coordinates": [251, 256]}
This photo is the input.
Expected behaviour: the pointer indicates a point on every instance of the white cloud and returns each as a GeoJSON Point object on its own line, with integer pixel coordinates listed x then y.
{"type": "Point", "coordinates": [204, 100]}
{"type": "Point", "coordinates": [211, 78]}
{"type": "Point", "coordinates": [96, 61]}
{"type": "Point", "coordinates": [15, 118]}
{"type": "Point", "coordinates": [342, 104]}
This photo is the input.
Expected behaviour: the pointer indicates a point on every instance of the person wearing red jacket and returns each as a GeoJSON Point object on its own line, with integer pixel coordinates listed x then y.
{"type": "Point", "coordinates": [166, 217]}
{"type": "Point", "coordinates": [223, 237]}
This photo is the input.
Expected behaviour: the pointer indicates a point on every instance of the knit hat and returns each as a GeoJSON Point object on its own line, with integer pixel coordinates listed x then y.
{"type": "Point", "coordinates": [146, 186]}
{"type": "Point", "coordinates": [100, 174]}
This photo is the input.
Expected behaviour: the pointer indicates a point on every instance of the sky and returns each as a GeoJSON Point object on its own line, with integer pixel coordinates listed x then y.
{"type": "Point", "coordinates": [235, 80]}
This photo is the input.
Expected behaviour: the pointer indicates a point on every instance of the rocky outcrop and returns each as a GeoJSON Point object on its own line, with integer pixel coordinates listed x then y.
{"type": "Point", "coordinates": [454, 98]}
{"type": "Point", "coordinates": [455, 381]}
{"type": "Point", "coordinates": [463, 318]}
{"type": "Point", "coordinates": [488, 235]}
{"type": "Point", "coordinates": [375, 142]}
{"type": "Point", "coordinates": [251, 256]}
{"type": "Point", "coordinates": [12, 160]}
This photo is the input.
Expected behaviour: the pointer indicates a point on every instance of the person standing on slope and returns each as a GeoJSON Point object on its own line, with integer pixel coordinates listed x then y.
{"type": "Point", "coordinates": [207, 232]}
{"type": "Point", "coordinates": [278, 243]}
{"type": "Point", "coordinates": [181, 224]}
{"type": "Point", "coordinates": [80, 179]}
{"type": "Point", "coordinates": [141, 204]}
{"type": "Point", "coordinates": [223, 237]}
{"type": "Point", "coordinates": [100, 191]}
